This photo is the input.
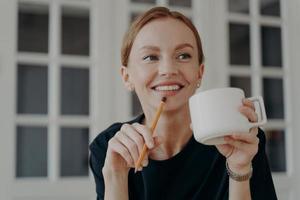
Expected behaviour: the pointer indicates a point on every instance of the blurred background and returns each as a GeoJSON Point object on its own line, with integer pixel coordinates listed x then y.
{"type": "Point", "coordinates": [60, 83]}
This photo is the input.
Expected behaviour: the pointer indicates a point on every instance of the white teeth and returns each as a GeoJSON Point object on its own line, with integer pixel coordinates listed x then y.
{"type": "Point", "coordinates": [167, 88]}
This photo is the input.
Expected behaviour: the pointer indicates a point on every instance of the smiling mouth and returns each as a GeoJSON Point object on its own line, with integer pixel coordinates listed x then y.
{"type": "Point", "coordinates": [167, 88]}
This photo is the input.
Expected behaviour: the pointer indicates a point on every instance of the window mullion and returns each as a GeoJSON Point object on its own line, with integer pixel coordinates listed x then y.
{"type": "Point", "coordinates": [255, 48]}
{"type": "Point", "coordinates": [54, 94]}
{"type": "Point", "coordinates": [288, 102]}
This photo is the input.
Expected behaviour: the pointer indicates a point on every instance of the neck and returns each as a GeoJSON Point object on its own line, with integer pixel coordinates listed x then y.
{"type": "Point", "coordinates": [173, 129]}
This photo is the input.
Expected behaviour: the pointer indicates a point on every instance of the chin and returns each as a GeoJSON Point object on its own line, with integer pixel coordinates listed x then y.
{"type": "Point", "coordinates": [173, 106]}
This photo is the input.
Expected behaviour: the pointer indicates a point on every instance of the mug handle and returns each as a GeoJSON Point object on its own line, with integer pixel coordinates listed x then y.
{"type": "Point", "coordinates": [261, 113]}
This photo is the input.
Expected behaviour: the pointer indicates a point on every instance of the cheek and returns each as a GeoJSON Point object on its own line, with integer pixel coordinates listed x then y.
{"type": "Point", "coordinates": [192, 76]}
{"type": "Point", "coordinates": [143, 76]}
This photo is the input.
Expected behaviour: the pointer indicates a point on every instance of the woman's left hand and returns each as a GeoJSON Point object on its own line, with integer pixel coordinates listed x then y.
{"type": "Point", "coordinates": [240, 148]}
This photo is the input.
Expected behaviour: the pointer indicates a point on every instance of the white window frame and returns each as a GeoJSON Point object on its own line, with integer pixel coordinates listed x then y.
{"type": "Point", "coordinates": [100, 116]}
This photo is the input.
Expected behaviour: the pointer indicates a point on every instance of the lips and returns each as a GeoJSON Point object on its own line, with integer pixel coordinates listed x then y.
{"type": "Point", "coordinates": [165, 87]}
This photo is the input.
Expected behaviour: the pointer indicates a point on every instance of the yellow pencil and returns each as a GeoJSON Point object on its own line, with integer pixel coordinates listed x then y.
{"type": "Point", "coordinates": [154, 123]}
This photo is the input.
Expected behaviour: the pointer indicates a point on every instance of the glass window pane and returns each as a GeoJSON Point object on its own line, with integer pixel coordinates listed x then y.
{"type": "Point", "coordinates": [74, 151]}
{"type": "Point", "coordinates": [32, 89]}
{"type": "Point", "coordinates": [243, 83]}
{"type": "Point", "coordinates": [143, 1]}
{"type": "Point", "coordinates": [275, 149]}
{"type": "Point", "coordinates": [238, 6]}
{"type": "Point", "coordinates": [270, 7]}
{"type": "Point", "coordinates": [273, 97]}
{"type": "Point", "coordinates": [135, 104]}
{"type": "Point", "coordinates": [239, 37]}
{"type": "Point", "coordinates": [271, 46]}
{"type": "Point", "coordinates": [33, 22]}
{"type": "Point", "coordinates": [74, 91]}
{"type": "Point", "coordinates": [75, 31]}
{"type": "Point", "coordinates": [31, 152]}
{"type": "Point", "coordinates": [183, 3]}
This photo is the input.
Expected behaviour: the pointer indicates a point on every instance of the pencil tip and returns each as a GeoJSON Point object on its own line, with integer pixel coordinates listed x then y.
{"type": "Point", "coordinates": [164, 99]}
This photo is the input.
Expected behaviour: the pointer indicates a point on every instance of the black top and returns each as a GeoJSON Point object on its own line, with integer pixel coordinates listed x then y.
{"type": "Point", "coordinates": [197, 172]}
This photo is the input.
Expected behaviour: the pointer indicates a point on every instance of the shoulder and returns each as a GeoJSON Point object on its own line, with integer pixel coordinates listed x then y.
{"type": "Point", "coordinates": [101, 141]}
{"type": "Point", "coordinates": [103, 137]}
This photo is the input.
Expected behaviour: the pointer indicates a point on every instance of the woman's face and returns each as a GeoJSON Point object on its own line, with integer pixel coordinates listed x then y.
{"type": "Point", "coordinates": [163, 62]}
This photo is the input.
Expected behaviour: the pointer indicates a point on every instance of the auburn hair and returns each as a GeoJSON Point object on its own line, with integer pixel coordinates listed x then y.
{"type": "Point", "coordinates": [152, 14]}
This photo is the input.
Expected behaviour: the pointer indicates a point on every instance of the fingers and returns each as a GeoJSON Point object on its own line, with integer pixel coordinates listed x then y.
{"type": "Point", "coordinates": [119, 148]}
{"type": "Point", "coordinates": [246, 137]}
{"type": "Point", "coordinates": [133, 135]}
{"type": "Point", "coordinates": [249, 104]}
{"type": "Point", "coordinates": [249, 113]}
{"type": "Point", "coordinates": [129, 142]}
{"type": "Point", "coordinates": [235, 143]}
{"type": "Point", "coordinates": [245, 142]}
{"type": "Point", "coordinates": [130, 145]}
{"type": "Point", "coordinates": [254, 131]}
{"type": "Point", "coordinates": [225, 149]}
{"type": "Point", "coordinates": [146, 133]}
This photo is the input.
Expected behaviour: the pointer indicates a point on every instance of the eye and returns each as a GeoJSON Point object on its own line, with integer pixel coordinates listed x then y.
{"type": "Point", "coordinates": [184, 56]}
{"type": "Point", "coordinates": [150, 58]}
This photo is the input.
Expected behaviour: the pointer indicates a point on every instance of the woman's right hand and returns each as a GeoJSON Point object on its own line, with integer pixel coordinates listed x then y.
{"type": "Point", "coordinates": [126, 146]}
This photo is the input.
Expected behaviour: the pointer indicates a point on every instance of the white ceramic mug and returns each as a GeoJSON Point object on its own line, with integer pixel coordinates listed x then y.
{"type": "Point", "coordinates": [215, 114]}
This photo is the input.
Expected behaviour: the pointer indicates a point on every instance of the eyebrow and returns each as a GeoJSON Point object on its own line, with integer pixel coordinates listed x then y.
{"type": "Point", "coordinates": [155, 48]}
{"type": "Point", "coordinates": [181, 46]}
{"type": "Point", "coordinates": [149, 47]}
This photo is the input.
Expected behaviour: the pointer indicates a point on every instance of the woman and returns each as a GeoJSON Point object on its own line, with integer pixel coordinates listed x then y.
{"type": "Point", "coordinates": [162, 57]}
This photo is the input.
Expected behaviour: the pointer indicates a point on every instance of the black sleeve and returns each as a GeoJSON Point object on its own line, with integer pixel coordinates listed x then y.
{"type": "Point", "coordinates": [261, 183]}
{"type": "Point", "coordinates": [98, 149]}
{"type": "Point", "coordinates": [97, 158]}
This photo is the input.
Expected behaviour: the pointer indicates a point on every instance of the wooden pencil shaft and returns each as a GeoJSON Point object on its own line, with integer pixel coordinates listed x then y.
{"type": "Point", "coordinates": [141, 158]}
{"type": "Point", "coordinates": [157, 115]}
{"type": "Point", "coordinates": [154, 123]}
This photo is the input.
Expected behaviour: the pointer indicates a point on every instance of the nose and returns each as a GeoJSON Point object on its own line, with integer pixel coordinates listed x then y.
{"type": "Point", "coordinates": [167, 68]}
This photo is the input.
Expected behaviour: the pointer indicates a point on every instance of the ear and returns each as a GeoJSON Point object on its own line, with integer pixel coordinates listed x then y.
{"type": "Point", "coordinates": [200, 75]}
{"type": "Point", "coordinates": [201, 71]}
{"type": "Point", "coordinates": [125, 78]}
